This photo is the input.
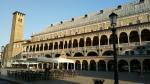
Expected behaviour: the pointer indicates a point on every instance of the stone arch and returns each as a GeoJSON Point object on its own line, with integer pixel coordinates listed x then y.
{"type": "Point", "coordinates": [92, 53]}
{"type": "Point", "coordinates": [110, 65]}
{"type": "Point", "coordinates": [30, 49]}
{"type": "Point", "coordinates": [50, 46]}
{"type": "Point", "coordinates": [65, 45]}
{"type": "Point", "coordinates": [146, 65]}
{"type": "Point", "coordinates": [78, 54]}
{"type": "Point", "coordinates": [37, 48]}
{"type": "Point", "coordinates": [145, 35]}
{"type": "Point", "coordinates": [84, 65]}
{"type": "Point", "coordinates": [46, 46]}
{"type": "Point", "coordinates": [95, 41]}
{"type": "Point", "coordinates": [70, 43]}
{"type": "Point", "coordinates": [75, 43]}
{"type": "Point", "coordinates": [81, 42]}
{"type": "Point", "coordinates": [101, 65]}
{"type": "Point", "coordinates": [123, 38]}
{"type": "Point", "coordinates": [67, 54]}
{"type": "Point", "coordinates": [123, 65]}
{"type": "Point", "coordinates": [88, 41]}
{"type": "Point", "coordinates": [33, 47]}
{"type": "Point", "coordinates": [134, 36]}
{"type": "Point", "coordinates": [92, 65]}
{"type": "Point", "coordinates": [104, 40]}
{"type": "Point", "coordinates": [27, 48]}
{"type": "Point", "coordinates": [56, 45]}
{"type": "Point", "coordinates": [111, 39]}
{"type": "Point", "coordinates": [61, 45]}
{"type": "Point", "coordinates": [135, 65]}
{"type": "Point", "coordinates": [108, 53]}
{"type": "Point", "coordinates": [77, 65]}
{"type": "Point", "coordinates": [41, 47]}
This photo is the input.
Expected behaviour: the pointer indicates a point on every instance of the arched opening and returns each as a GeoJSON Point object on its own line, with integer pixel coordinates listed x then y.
{"type": "Point", "coordinates": [78, 54]}
{"type": "Point", "coordinates": [48, 56]}
{"type": "Point", "coordinates": [101, 65]}
{"type": "Point", "coordinates": [88, 41]}
{"type": "Point", "coordinates": [81, 42]}
{"type": "Point", "coordinates": [84, 65]}
{"type": "Point", "coordinates": [40, 65]}
{"type": "Point", "coordinates": [75, 43]}
{"type": "Point", "coordinates": [27, 48]}
{"type": "Point", "coordinates": [50, 46]}
{"type": "Point", "coordinates": [92, 54]}
{"type": "Point", "coordinates": [78, 65]}
{"type": "Point", "coordinates": [92, 65]}
{"type": "Point", "coordinates": [68, 54]}
{"type": "Point", "coordinates": [41, 47]}
{"type": "Point", "coordinates": [123, 37]}
{"type": "Point", "coordinates": [61, 45]}
{"type": "Point", "coordinates": [95, 41]}
{"type": "Point", "coordinates": [70, 66]}
{"type": "Point", "coordinates": [37, 48]}
{"type": "Point", "coordinates": [44, 65]}
{"type": "Point", "coordinates": [111, 39]}
{"type": "Point", "coordinates": [65, 46]}
{"type": "Point", "coordinates": [30, 49]}
{"type": "Point", "coordinates": [146, 65]}
{"type": "Point", "coordinates": [69, 46]}
{"type": "Point", "coordinates": [134, 36]}
{"type": "Point", "coordinates": [34, 48]}
{"type": "Point", "coordinates": [57, 55]}
{"type": "Point", "coordinates": [145, 35]}
{"type": "Point", "coordinates": [135, 65]}
{"type": "Point", "coordinates": [104, 40]}
{"type": "Point", "coordinates": [123, 65]}
{"type": "Point", "coordinates": [108, 53]}
{"type": "Point", "coordinates": [46, 46]}
{"type": "Point", "coordinates": [56, 45]}
{"type": "Point", "coordinates": [110, 65]}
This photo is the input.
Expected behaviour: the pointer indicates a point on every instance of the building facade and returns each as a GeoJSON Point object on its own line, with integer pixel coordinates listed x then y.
{"type": "Point", "coordinates": [88, 40]}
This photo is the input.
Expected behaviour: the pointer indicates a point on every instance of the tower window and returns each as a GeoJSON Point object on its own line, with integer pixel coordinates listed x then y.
{"type": "Point", "coordinates": [19, 20]}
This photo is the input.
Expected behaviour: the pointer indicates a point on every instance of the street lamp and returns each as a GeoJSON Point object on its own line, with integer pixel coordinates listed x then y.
{"type": "Point", "coordinates": [113, 21]}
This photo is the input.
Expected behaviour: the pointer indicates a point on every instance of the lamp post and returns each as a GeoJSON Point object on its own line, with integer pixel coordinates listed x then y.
{"type": "Point", "coordinates": [113, 21]}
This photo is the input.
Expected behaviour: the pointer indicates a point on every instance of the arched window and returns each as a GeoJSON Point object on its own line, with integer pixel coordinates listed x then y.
{"type": "Point", "coordinates": [78, 54]}
{"type": "Point", "coordinates": [61, 45]}
{"type": "Point", "coordinates": [37, 48]}
{"type": "Point", "coordinates": [88, 41]}
{"type": "Point", "coordinates": [56, 45]}
{"type": "Point", "coordinates": [48, 56]}
{"type": "Point", "coordinates": [145, 35]}
{"type": "Point", "coordinates": [41, 47]}
{"type": "Point", "coordinates": [34, 48]}
{"type": "Point", "coordinates": [95, 41]}
{"type": "Point", "coordinates": [46, 46]}
{"type": "Point", "coordinates": [50, 46]}
{"type": "Point", "coordinates": [111, 39]}
{"type": "Point", "coordinates": [123, 38]}
{"type": "Point", "coordinates": [104, 40]}
{"type": "Point", "coordinates": [70, 43]}
{"type": "Point", "coordinates": [108, 53]}
{"type": "Point", "coordinates": [81, 42]}
{"type": "Point", "coordinates": [134, 36]}
{"type": "Point", "coordinates": [75, 43]}
{"type": "Point", "coordinates": [92, 54]}
{"type": "Point", "coordinates": [65, 45]}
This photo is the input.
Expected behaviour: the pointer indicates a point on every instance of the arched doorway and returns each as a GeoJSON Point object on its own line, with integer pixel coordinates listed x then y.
{"type": "Point", "coordinates": [123, 38]}
{"type": "Point", "coordinates": [135, 65]}
{"type": "Point", "coordinates": [110, 65]}
{"type": "Point", "coordinates": [78, 65]}
{"type": "Point", "coordinates": [134, 36]}
{"type": "Point", "coordinates": [84, 65]}
{"type": "Point", "coordinates": [146, 65]}
{"type": "Point", "coordinates": [123, 65]}
{"type": "Point", "coordinates": [145, 35]}
{"type": "Point", "coordinates": [101, 65]}
{"type": "Point", "coordinates": [104, 40]}
{"type": "Point", "coordinates": [92, 65]}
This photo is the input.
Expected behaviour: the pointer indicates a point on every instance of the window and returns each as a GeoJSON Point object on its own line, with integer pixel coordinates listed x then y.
{"type": "Point", "coordinates": [126, 52]}
{"type": "Point", "coordinates": [132, 52]}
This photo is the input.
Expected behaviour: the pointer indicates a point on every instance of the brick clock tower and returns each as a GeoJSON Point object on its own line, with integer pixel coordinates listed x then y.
{"type": "Point", "coordinates": [14, 48]}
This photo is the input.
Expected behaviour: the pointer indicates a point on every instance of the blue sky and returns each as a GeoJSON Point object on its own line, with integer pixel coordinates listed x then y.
{"type": "Point", "coordinates": [41, 13]}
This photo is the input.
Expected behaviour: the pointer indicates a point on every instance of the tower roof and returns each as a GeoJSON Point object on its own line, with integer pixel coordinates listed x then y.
{"type": "Point", "coordinates": [18, 12]}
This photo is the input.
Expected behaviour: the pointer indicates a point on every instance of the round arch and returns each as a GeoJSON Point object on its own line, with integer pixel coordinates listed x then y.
{"type": "Point", "coordinates": [108, 53]}
{"type": "Point", "coordinates": [78, 54]}
{"type": "Point", "coordinates": [56, 45]}
{"type": "Point", "coordinates": [81, 42]}
{"type": "Point", "coordinates": [88, 41]}
{"type": "Point", "coordinates": [135, 65]}
{"type": "Point", "coordinates": [123, 38]}
{"type": "Point", "coordinates": [61, 45]}
{"type": "Point", "coordinates": [95, 41]}
{"type": "Point", "coordinates": [84, 65]}
{"type": "Point", "coordinates": [104, 40]}
{"type": "Point", "coordinates": [70, 43]}
{"type": "Point", "coordinates": [37, 48]}
{"type": "Point", "coordinates": [111, 39]}
{"type": "Point", "coordinates": [92, 65]}
{"type": "Point", "coordinates": [101, 65]}
{"type": "Point", "coordinates": [123, 65]}
{"type": "Point", "coordinates": [146, 65]}
{"type": "Point", "coordinates": [46, 46]}
{"type": "Point", "coordinates": [75, 43]}
{"type": "Point", "coordinates": [50, 46]}
{"type": "Point", "coordinates": [41, 47]}
{"type": "Point", "coordinates": [77, 65]}
{"type": "Point", "coordinates": [145, 35]}
{"type": "Point", "coordinates": [65, 45]}
{"type": "Point", "coordinates": [34, 48]}
{"type": "Point", "coordinates": [134, 36]}
{"type": "Point", "coordinates": [48, 56]}
{"type": "Point", "coordinates": [110, 65]}
{"type": "Point", "coordinates": [92, 54]}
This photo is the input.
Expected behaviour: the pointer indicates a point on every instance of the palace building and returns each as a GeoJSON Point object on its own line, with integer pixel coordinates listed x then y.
{"type": "Point", "coordinates": [88, 39]}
